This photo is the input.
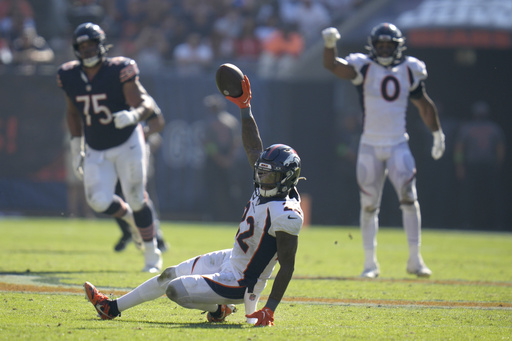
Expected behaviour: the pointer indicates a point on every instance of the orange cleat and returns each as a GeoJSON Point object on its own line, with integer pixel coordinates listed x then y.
{"type": "Point", "coordinates": [99, 301]}
{"type": "Point", "coordinates": [225, 311]}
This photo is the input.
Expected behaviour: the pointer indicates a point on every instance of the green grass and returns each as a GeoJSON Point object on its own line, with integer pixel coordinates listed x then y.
{"type": "Point", "coordinates": [325, 301]}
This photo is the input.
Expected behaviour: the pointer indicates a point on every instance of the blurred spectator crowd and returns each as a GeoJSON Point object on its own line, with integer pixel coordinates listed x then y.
{"type": "Point", "coordinates": [188, 35]}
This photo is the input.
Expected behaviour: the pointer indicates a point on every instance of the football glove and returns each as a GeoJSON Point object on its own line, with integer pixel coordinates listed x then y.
{"type": "Point", "coordinates": [77, 157]}
{"type": "Point", "coordinates": [330, 35]}
{"type": "Point", "coordinates": [265, 317]}
{"type": "Point", "coordinates": [125, 118]}
{"type": "Point", "coordinates": [244, 100]}
{"type": "Point", "coordinates": [439, 146]}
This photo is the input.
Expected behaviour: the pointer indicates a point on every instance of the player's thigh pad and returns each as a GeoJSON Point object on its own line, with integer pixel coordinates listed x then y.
{"type": "Point", "coordinates": [99, 180]}
{"type": "Point", "coordinates": [190, 290]}
{"type": "Point", "coordinates": [208, 263]}
{"type": "Point", "coordinates": [371, 173]}
{"type": "Point", "coordinates": [402, 172]}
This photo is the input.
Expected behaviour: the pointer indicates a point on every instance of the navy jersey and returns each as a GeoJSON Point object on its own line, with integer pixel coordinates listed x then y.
{"type": "Point", "coordinates": [99, 98]}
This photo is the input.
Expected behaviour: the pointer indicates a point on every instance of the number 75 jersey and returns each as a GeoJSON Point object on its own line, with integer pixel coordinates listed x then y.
{"type": "Point", "coordinates": [254, 254]}
{"type": "Point", "coordinates": [97, 99]}
{"type": "Point", "coordinates": [384, 93]}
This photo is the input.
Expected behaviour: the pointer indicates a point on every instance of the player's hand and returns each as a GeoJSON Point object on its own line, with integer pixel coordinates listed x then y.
{"type": "Point", "coordinates": [439, 146]}
{"type": "Point", "coordinates": [265, 317]}
{"type": "Point", "coordinates": [330, 35]}
{"type": "Point", "coordinates": [243, 101]}
{"type": "Point", "coordinates": [77, 157]}
{"type": "Point", "coordinates": [125, 118]}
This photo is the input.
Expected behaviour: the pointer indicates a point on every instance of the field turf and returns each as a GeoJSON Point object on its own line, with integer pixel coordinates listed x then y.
{"type": "Point", "coordinates": [44, 263]}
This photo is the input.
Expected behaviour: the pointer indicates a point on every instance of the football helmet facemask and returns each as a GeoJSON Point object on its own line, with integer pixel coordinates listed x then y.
{"type": "Point", "coordinates": [89, 32]}
{"type": "Point", "coordinates": [389, 33]}
{"type": "Point", "coordinates": [276, 171]}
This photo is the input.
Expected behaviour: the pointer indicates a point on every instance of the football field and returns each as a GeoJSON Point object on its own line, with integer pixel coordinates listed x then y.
{"type": "Point", "coordinates": [44, 263]}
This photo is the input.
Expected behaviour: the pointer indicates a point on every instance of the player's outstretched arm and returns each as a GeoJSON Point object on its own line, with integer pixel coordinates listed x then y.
{"type": "Point", "coordinates": [286, 249]}
{"type": "Point", "coordinates": [250, 134]}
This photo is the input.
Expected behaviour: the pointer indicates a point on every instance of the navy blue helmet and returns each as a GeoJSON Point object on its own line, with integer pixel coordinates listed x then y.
{"type": "Point", "coordinates": [386, 32]}
{"type": "Point", "coordinates": [277, 171]}
{"type": "Point", "coordinates": [89, 31]}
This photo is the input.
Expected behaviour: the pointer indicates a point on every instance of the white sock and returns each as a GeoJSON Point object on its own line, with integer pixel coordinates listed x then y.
{"type": "Point", "coordinates": [411, 218]}
{"type": "Point", "coordinates": [369, 227]}
{"type": "Point", "coordinates": [150, 247]}
{"type": "Point", "coordinates": [147, 291]}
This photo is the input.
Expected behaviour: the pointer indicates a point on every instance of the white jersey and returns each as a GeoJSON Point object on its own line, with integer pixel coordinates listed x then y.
{"type": "Point", "coordinates": [254, 254]}
{"type": "Point", "coordinates": [384, 92]}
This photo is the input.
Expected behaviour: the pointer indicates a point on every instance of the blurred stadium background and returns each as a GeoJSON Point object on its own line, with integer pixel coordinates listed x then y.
{"type": "Point", "coordinates": [466, 44]}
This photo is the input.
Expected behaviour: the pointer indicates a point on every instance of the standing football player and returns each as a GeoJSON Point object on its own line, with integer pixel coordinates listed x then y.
{"type": "Point", "coordinates": [386, 79]}
{"type": "Point", "coordinates": [105, 103]}
{"type": "Point", "coordinates": [268, 233]}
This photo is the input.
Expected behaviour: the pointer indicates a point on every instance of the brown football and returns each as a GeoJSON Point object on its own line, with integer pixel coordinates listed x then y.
{"type": "Point", "coordinates": [228, 79]}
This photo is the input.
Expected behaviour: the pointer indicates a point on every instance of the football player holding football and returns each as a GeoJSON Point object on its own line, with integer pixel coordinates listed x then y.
{"type": "Point", "coordinates": [386, 79]}
{"type": "Point", "coordinates": [105, 103]}
{"type": "Point", "coordinates": [268, 233]}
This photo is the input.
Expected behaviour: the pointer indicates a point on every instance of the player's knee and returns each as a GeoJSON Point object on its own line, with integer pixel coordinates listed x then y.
{"type": "Point", "coordinates": [369, 209]}
{"type": "Point", "coordinates": [369, 206]}
{"type": "Point", "coordinates": [136, 200]}
{"type": "Point", "coordinates": [409, 205]}
{"type": "Point", "coordinates": [167, 275]}
{"type": "Point", "coordinates": [136, 205]}
{"type": "Point", "coordinates": [99, 202]}
{"type": "Point", "coordinates": [369, 203]}
{"type": "Point", "coordinates": [408, 194]}
{"type": "Point", "coordinates": [177, 293]}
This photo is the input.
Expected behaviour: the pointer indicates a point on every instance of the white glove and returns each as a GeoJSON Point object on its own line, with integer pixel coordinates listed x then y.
{"type": "Point", "coordinates": [331, 35]}
{"type": "Point", "coordinates": [438, 147]}
{"type": "Point", "coordinates": [125, 118]}
{"type": "Point", "coordinates": [77, 157]}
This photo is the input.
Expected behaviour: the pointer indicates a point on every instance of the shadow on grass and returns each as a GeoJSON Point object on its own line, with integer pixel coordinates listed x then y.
{"type": "Point", "coordinates": [55, 252]}
{"type": "Point", "coordinates": [170, 324]}
{"type": "Point", "coordinates": [52, 278]}
{"type": "Point", "coordinates": [53, 273]}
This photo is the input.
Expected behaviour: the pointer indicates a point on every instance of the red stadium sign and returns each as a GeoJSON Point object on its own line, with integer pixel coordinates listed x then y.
{"type": "Point", "coordinates": [470, 38]}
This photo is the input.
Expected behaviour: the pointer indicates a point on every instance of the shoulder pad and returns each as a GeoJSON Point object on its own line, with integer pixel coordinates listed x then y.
{"type": "Point", "coordinates": [357, 58]}
{"type": "Point", "coordinates": [129, 69]}
{"type": "Point", "coordinates": [120, 60]}
{"type": "Point", "coordinates": [69, 65]}
{"type": "Point", "coordinates": [417, 67]}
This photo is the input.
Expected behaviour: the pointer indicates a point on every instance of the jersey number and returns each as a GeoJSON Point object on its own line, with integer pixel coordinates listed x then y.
{"type": "Point", "coordinates": [247, 234]}
{"type": "Point", "coordinates": [94, 102]}
{"type": "Point", "coordinates": [384, 88]}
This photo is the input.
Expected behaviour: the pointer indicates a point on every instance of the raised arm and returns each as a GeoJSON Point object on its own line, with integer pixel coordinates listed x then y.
{"type": "Point", "coordinates": [250, 134]}
{"type": "Point", "coordinates": [331, 61]}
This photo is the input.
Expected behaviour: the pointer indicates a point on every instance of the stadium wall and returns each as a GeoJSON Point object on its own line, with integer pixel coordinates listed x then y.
{"type": "Point", "coordinates": [303, 114]}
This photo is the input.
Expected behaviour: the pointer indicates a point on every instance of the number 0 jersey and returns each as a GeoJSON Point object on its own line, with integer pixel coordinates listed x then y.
{"type": "Point", "coordinates": [99, 98]}
{"type": "Point", "coordinates": [384, 93]}
{"type": "Point", "coordinates": [254, 254]}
